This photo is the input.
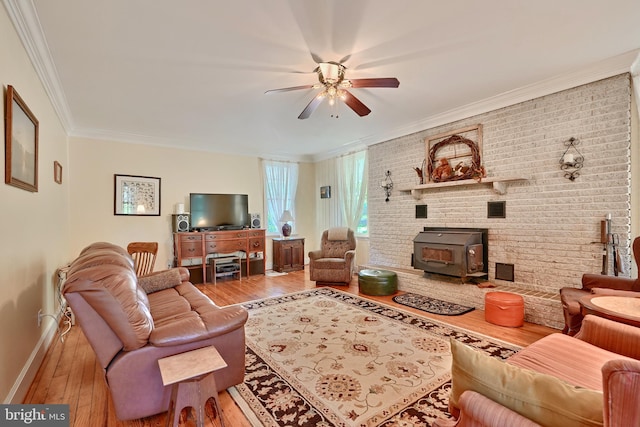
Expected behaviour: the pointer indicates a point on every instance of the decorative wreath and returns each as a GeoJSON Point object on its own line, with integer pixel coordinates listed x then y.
{"type": "Point", "coordinates": [475, 171]}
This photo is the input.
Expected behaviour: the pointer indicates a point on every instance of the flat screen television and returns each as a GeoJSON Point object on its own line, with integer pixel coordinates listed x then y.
{"type": "Point", "coordinates": [219, 211]}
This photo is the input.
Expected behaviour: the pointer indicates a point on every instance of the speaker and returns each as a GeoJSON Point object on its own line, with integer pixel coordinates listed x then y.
{"type": "Point", "coordinates": [180, 223]}
{"type": "Point", "coordinates": [255, 220]}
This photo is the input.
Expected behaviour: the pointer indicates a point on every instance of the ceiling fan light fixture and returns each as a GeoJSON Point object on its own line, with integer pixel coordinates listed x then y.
{"type": "Point", "coordinates": [332, 85]}
{"type": "Point", "coordinates": [330, 73]}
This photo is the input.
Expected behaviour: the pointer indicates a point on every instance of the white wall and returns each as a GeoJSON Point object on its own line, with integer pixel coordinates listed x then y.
{"type": "Point", "coordinates": [35, 230]}
{"type": "Point", "coordinates": [95, 162]}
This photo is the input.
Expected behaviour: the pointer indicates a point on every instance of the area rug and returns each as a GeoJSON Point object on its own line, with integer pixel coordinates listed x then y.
{"type": "Point", "coordinates": [327, 358]}
{"type": "Point", "coordinates": [432, 305]}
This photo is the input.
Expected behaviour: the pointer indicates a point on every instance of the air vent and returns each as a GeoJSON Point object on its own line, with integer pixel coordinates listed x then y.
{"type": "Point", "coordinates": [497, 209]}
{"type": "Point", "coordinates": [421, 211]}
{"type": "Point", "coordinates": [504, 272]}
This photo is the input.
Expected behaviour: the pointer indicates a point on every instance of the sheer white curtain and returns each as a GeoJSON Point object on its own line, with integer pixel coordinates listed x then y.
{"type": "Point", "coordinates": [352, 186]}
{"type": "Point", "coordinates": [280, 185]}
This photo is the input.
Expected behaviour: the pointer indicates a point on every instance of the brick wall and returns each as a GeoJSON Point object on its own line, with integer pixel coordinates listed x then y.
{"type": "Point", "coordinates": [551, 232]}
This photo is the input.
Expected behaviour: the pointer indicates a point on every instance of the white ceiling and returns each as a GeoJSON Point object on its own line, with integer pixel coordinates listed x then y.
{"type": "Point", "coordinates": [193, 73]}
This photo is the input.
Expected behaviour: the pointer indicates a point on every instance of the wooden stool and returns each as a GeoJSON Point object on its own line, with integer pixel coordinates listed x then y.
{"type": "Point", "coordinates": [191, 374]}
{"type": "Point", "coordinates": [504, 309]}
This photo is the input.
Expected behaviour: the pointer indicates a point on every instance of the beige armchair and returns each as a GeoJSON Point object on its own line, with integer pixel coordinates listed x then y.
{"type": "Point", "coordinates": [332, 263]}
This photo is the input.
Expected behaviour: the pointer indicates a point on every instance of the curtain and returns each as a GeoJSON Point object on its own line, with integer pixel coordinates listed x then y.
{"type": "Point", "coordinates": [280, 185]}
{"type": "Point", "coordinates": [352, 186]}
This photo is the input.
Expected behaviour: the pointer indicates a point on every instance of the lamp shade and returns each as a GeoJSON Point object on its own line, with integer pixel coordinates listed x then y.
{"type": "Point", "coordinates": [286, 216]}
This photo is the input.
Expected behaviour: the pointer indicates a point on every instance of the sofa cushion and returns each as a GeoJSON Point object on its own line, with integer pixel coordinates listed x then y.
{"type": "Point", "coordinates": [541, 398]}
{"type": "Point", "coordinates": [572, 360]}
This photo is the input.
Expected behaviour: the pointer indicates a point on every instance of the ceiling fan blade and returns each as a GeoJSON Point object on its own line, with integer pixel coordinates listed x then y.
{"type": "Point", "coordinates": [287, 89]}
{"type": "Point", "coordinates": [381, 82]}
{"type": "Point", "coordinates": [355, 104]}
{"type": "Point", "coordinates": [311, 107]}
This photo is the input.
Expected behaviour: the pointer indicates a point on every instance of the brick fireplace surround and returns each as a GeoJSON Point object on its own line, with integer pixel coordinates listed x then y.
{"type": "Point", "coordinates": [551, 232]}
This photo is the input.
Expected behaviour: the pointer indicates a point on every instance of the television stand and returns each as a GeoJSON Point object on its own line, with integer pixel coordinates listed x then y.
{"type": "Point", "coordinates": [192, 249]}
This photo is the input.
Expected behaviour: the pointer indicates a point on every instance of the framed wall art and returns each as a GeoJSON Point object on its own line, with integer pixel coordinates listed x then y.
{"type": "Point", "coordinates": [325, 192]}
{"type": "Point", "coordinates": [57, 172]}
{"type": "Point", "coordinates": [136, 195]}
{"type": "Point", "coordinates": [21, 143]}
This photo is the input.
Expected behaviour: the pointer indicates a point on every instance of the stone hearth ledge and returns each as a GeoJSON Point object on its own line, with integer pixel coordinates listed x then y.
{"type": "Point", "coordinates": [542, 308]}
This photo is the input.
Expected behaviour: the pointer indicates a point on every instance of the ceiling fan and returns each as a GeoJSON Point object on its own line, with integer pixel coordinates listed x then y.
{"type": "Point", "coordinates": [335, 87]}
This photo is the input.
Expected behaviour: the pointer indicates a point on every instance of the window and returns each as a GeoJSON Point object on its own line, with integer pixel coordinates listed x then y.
{"type": "Point", "coordinates": [280, 184]}
{"type": "Point", "coordinates": [352, 182]}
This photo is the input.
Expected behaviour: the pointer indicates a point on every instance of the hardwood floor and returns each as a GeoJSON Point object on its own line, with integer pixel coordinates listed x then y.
{"type": "Point", "coordinates": [70, 374]}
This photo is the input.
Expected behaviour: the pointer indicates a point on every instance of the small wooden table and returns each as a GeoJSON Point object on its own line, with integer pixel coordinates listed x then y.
{"type": "Point", "coordinates": [618, 308]}
{"type": "Point", "coordinates": [191, 374]}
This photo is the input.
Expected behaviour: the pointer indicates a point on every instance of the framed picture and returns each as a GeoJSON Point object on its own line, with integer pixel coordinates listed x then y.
{"type": "Point", "coordinates": [20, 143]}
{"type": "Point", "coordinates": [325, 192]}
{"type": "Point", "coordinates": [57, 172]}
{"type": "Point", "coordinates": [136, 195]}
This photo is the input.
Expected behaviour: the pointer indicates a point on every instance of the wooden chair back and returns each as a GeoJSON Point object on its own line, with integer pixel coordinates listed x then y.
{"type": "Point", "coordinates": [144, 256]}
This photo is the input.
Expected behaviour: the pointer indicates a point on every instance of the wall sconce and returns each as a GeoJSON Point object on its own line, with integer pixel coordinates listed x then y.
{"type": "Point", "coordinates": [387, 185]}
{"type": "Point", "coordinates": [571, 161]}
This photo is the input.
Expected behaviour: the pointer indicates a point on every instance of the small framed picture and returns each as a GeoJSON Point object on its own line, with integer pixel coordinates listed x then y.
{"type": "Point", "coordinates": [57, 172]}
{"type": "Point", "coordinates": [136, 195]}
{"type": "Point", "coordinates": [325, 192]}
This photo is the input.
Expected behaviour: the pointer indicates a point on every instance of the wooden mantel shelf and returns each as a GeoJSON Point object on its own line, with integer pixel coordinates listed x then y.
{"type": "Point", "coordinates": [500, 185]}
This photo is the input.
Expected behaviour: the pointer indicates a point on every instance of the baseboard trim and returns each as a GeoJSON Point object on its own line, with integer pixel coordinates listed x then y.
{"type": "Point", "coordinates": [28, 373]}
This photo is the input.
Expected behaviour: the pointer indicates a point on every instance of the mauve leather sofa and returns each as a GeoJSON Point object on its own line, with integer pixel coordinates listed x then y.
{"type": "Point", "coordinates": [132, 322]}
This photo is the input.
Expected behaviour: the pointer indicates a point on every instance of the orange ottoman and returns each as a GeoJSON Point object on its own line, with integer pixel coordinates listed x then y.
{"type": "Point", "coordinates": [504, 309]}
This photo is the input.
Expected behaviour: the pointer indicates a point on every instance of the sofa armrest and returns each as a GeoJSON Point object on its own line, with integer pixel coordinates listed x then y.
{"type": "Point", "coordinates": [317, 254]}
{"type": "Point", "coordinates": [621, 388]}
{"type": "Point", "coordinates": [212, 323]}
{"type": "Point", "coordinates": [590, 281]}
{"type": "Point", "coordinates": [610, 335]}
{"type": "Point", "coordinates": [478, 410]}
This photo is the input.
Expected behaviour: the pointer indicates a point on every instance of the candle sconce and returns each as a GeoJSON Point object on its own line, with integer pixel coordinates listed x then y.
{"type": "Point", "coordinates": [387, 185]}
{"type": "Point", "coordinates": [571, 161]}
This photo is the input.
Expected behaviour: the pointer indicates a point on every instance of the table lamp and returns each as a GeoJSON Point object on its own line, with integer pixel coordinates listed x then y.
{"type": "Point", "coordinates": [286, 227]}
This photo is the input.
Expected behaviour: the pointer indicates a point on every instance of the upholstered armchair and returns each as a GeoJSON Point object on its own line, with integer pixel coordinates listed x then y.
{"type": "Point", "coordinates": [332, 263]}
{"type": "Point", "coordinates": [596, 284]}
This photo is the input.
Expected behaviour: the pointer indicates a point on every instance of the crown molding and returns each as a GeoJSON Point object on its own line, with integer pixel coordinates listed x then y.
{"type": "Point", "coordinates": [24, 17]}
{"type": "Point", "coordinates": [610, 67]}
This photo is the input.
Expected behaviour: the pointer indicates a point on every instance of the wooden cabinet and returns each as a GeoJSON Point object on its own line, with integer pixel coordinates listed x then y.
{"type": "Point", "coordinates": [288, 254]}
{"type": "Point", "coordinates": [192, 249]}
